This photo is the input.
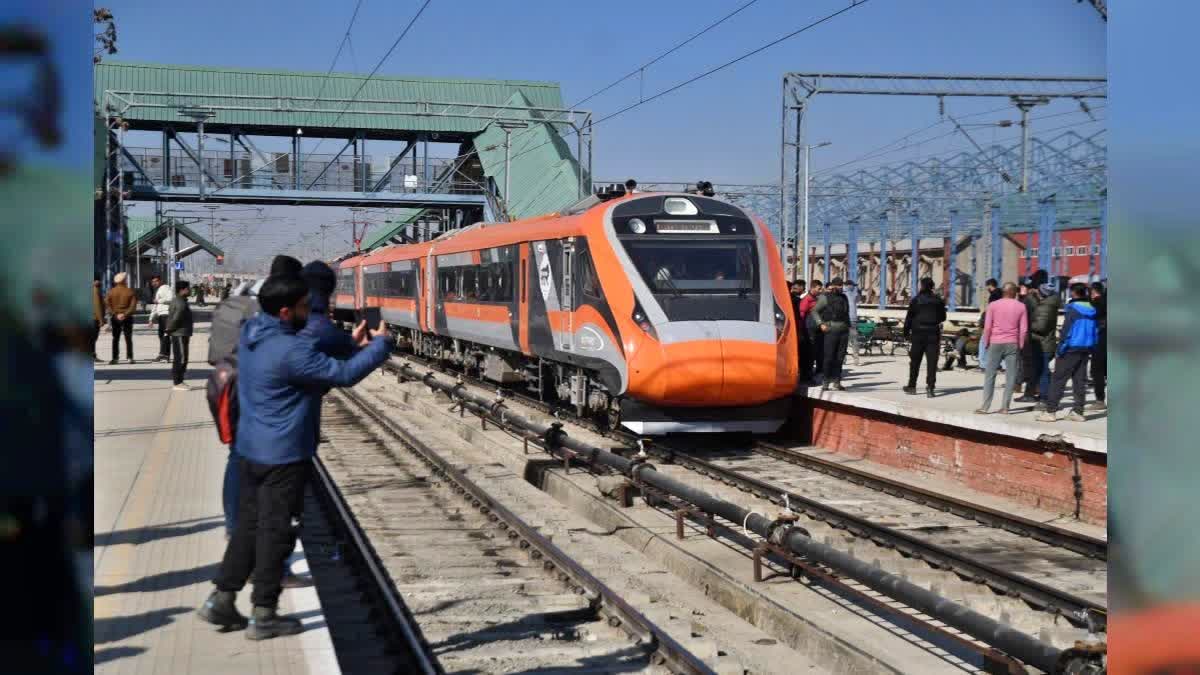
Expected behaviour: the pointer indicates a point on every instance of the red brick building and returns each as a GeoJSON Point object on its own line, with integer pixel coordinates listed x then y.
{"type": "Point", "coordinates": [1076, 252]}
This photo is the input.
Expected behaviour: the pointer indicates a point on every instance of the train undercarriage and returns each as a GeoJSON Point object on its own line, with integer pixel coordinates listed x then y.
{"type": "Point", "coordinates": [548, 381]}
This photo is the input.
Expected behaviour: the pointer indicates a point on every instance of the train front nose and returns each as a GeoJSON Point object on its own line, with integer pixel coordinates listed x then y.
{"type": "Point", "coordinates": [722, 363]}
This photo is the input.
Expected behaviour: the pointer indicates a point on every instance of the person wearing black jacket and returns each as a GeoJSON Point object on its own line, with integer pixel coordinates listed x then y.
{"type": "Point", "coordinates": [923, 329]}
{"type": "Point", "coordinates": [179, 328]}
{"type": "Point", "coordinates": [832, 313]}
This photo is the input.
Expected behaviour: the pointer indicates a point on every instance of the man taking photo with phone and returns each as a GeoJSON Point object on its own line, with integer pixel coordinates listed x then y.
{"type": "Point", "coordinates": [278, 369]}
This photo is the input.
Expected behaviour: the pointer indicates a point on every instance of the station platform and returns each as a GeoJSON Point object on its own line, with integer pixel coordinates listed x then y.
{"type": "Point", "coordinates": [160, 530]}
{"type": "Point", "coordinates": [877, 384]}
{"type": "Point", "coordinates": [1014, 456]}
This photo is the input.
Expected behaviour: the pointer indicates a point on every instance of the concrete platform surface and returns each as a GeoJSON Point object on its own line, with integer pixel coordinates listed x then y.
{"type": "Point", "coordinates": [160, 531]}
{"type": "Point", "coordinates": [877, 385]}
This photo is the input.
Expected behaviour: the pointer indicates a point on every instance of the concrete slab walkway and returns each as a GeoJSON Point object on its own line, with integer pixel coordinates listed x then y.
{"type": "Point", "coordinates": [160, 531]}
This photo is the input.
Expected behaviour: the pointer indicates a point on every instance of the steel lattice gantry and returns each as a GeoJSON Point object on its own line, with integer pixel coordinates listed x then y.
{"type": "Point", "coordinates": [962, 197]}
{"type": "Point", "coordinates": [942, 193]}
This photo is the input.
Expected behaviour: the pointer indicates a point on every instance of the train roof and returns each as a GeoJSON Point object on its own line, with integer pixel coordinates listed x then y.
{"type": "Point", "coordinates": [573, 221]}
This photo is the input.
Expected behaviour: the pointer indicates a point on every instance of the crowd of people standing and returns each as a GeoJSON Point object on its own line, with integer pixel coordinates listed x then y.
{"type": "Point", "coordinates": [1019, 334]}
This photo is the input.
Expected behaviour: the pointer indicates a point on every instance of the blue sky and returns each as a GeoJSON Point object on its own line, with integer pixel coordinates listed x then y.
{"type": "Point", "coordinates": [724, 128]}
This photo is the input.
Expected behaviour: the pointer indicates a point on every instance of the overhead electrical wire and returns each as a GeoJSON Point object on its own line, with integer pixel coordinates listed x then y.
{"type": "Point", "coordinates": [712, 71]}
{"type": "Point", "coordinates": [642, 68]}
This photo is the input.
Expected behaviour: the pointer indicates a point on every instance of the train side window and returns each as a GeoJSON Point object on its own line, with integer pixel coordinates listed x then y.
{"type": "Point", "coordinates": [524, 284]}
{"type": "Point", "coordinates": [500, 274]}
{"type": "Point", "coordinates": [589, 283]}
{"type": "Point", "coordinates": [448, 283]}
{"type": "Point", "coordinates": [470, 289]}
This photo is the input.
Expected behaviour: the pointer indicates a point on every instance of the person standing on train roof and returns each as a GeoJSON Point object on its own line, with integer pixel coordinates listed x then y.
{"type": "Point", "coordinates": [631, 186]}
{"type": "Point", "coordinates": [923, 328]}
{"type": "Point", "coordinates": [277, 371]}
{"type": "Point", "coordinates": [163, 296]}
{"type": "Point", "coordinates": [833, 314]}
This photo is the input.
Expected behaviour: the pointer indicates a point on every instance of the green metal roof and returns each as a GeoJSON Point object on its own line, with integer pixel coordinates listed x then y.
{"type": "Point", "coordinates": [401, 219]}
{"type": "Point", "coordinates": [545, 174]}
{"type": "Point", "coordinates": [136, 228]}
{"type": "Point", "coordinates": [143, 234]}
{"type": "Point", "coordinates": [280, 97]}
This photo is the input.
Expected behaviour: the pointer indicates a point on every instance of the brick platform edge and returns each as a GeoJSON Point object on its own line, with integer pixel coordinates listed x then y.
{"type": "Point", "coordinates": [1036, 473]}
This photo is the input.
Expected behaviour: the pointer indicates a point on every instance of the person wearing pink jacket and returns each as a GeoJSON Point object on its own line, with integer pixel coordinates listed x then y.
{"type": "Point", "coordinates": [1005, 330]}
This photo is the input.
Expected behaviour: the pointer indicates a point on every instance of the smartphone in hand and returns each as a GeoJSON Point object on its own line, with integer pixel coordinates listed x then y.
{"type": "Point", "coordinates": [372, 316]}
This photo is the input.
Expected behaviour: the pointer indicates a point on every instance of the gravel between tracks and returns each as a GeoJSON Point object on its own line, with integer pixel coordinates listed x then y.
{"type": "Point", "coordinates": [457, 576]}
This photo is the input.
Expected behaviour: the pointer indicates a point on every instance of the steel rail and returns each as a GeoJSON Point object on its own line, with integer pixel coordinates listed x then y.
{"type": "Point", "coordinates": [1009, 641]}
{"type": "Point", "coordinates": [1078, 611]}
{"type": "Point", "coordinates": [1046, 533]}
{"type": "Point", "coordinates": [604, 600]}
{"type": "Point", "coordinates": [398, 613]}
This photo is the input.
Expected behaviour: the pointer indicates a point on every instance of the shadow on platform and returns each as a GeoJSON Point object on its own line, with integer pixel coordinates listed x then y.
{"type": "Point", "coordinates": [162, 581]}
{"type": "Point", "coordinates": [113, 653]}
{"type": "Point", "coordinates": [143, 535]}
{"type": "Point", "coordinates": [107, 373]}
{"type": "Point", "coordinates": [119, 628]}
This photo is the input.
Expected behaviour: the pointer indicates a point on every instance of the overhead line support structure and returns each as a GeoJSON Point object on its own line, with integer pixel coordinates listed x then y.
{"type": "Point", "coordinates": [800, 88]}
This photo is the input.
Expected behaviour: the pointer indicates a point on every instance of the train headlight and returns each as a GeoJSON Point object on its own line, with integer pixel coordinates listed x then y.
{"type": "Point", "coordinates": [781, 323]}
{"type": "Point", "coordinates": [639, 317]}
{"type": "Point", "coordinates": [637, 226]}
{"type": "Point", "coordinates": [678, 206]}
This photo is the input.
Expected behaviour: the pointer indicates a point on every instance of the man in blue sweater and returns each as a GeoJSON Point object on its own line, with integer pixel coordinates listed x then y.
{"type": "Point", "coordinates": [278, 373]}
{"type": "Point", "coordinates": [1079, 336]}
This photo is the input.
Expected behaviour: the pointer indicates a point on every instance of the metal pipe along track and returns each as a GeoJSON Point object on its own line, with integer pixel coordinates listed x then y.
{"type": "Point", "coordinates": [780, 532]}
{"type": "Point", "coordinates": [666, 651]}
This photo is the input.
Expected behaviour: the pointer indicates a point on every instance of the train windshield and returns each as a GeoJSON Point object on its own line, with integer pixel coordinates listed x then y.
{"type": "Point", "coordinates": [700, 279]}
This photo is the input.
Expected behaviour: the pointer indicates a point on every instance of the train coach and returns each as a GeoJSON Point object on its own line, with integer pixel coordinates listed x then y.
{"type": "Point", "coordinates": [657, 312]}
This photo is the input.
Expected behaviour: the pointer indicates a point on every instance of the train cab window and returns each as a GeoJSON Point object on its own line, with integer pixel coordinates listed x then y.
{"type": "Point", "coordinates": [589, 283]}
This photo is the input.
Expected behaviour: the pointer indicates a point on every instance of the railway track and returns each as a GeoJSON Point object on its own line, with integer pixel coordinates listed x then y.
{"type": "Point", "coordinates": [1055, 581]}
{"type": "Point", "coordinates": [371, 628]}
{"type": "Point", "coordinates": [945, 546]}
{"type": "Point", "coordinates": [489, 592]}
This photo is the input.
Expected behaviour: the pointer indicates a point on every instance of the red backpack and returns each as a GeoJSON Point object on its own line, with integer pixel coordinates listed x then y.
{"type": "Point", "coordinates": [222, 397]}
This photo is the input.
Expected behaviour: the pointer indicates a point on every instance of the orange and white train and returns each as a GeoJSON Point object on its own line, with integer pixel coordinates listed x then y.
{"type": "Point", "coordinates": [658, 312]}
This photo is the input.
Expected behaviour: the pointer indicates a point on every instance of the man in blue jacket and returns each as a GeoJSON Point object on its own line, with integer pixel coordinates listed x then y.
{"type": "Point", "coordinates": [278, 371]}
{"type": "Point", "coordinates": [1079, 336]}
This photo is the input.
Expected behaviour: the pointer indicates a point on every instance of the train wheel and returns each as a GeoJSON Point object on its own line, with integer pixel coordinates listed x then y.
{"type": "Point", "coordinates": [612, 417]}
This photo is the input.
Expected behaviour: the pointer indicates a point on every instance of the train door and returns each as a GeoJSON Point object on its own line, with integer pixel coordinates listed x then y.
{"type": "Point", "coordinates": [523, 299]}
{"type": "Point", "coordinates": [568, 295]}
{"type": "Point", "coordinates": [359, 292]}
{"type": "Point", "coordinates": [418, 293]}
{"type": "Point", "coordinates": [431, 299]}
